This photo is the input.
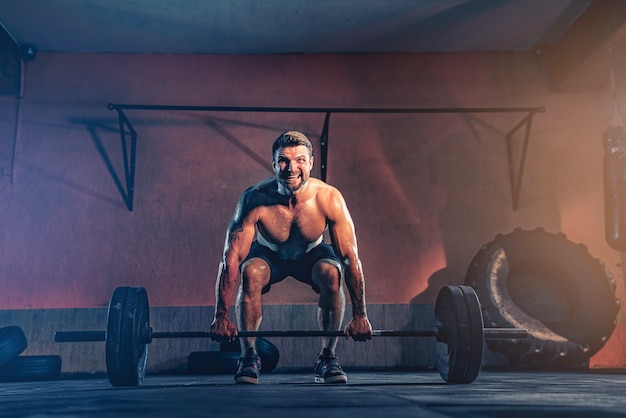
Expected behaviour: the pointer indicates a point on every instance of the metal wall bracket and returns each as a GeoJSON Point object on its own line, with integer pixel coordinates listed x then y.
{"type": "Point", "coordinates": [126, 128]}
{"type": "Point", "coordinates": [129, 154]}
{"type": "Point", "coordinates": [516, 182]}
{"type": "Point", "coordinates": [9, 171]}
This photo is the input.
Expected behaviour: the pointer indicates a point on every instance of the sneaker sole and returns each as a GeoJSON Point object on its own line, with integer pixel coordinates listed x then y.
{"type": "Point", "coordinates": [332, 379]}
{"type": "Point", "coordinates": [247, 380]}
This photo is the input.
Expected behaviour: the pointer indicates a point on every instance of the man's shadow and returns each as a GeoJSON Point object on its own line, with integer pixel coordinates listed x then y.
{"type": "Point", "coordinates": [421, 350]}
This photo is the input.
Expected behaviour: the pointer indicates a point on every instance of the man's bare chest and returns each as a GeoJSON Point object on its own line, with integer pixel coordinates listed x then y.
{"type": "Point", "coordinates": [280, 224]}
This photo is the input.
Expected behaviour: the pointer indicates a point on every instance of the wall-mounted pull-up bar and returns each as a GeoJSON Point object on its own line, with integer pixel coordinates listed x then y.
{"type": "Point", "coordinates": [126, 128]}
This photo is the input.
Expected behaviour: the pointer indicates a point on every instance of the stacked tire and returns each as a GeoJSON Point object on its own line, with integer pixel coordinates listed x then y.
{"type": "Point", "coordinates": [551, 286]}
{"type": "Point", "coordinates": [15, 367]}
{"type": "Point", "coordinates": [12, 344]}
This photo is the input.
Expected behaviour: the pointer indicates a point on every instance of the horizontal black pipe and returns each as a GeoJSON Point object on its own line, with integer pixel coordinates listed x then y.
{"type": "Point", "coordinates": [114, 106]}
{"type": "Point", "coordinates": [489, 334]}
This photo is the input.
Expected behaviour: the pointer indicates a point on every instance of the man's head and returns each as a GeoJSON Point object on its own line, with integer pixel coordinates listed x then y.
{"type": "Point", "coordinates": [291, 139]}
{"type": "Point", "coordinates": [292, 159]}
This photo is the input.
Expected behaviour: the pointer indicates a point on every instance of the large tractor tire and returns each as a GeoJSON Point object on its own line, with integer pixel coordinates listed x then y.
{"type": "Point", "coordinates": [551, 286]}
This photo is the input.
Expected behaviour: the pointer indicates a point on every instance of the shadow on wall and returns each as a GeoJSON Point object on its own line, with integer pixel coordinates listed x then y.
{"type": "Point", "coordinates": [95, 127]}
{"type": "Point", "coordinates": [476, 168]}
{"type": "Point", "coordinates": [422, 316]}
{"type": "Point", "coordinates": [481, 205]}
{"type": "Point", "coordinates": [67, 183]}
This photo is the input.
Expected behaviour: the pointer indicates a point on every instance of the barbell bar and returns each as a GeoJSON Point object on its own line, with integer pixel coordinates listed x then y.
{"type": "Point", "coordinates": [100, 336]}
{"type": "Point", "coordinates": [458, 330]}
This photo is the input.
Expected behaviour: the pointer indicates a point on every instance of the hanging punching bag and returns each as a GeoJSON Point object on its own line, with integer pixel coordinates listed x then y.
{"type": "Point", "coordinates": [614, 139]}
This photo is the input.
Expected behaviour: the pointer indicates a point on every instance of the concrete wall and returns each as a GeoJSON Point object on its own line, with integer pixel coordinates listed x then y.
{"type": "Point", "coordinates": [425, 191]}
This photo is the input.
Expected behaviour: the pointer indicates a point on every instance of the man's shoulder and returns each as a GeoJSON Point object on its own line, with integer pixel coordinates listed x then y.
{"type": "Point", "coordinates": [264, 193]}
{"type": "Point", "coordinates": [323, 188]}
{"type": "Point", "coordinates": [328, 197]}
{"type": "Point", "coordinates": [266, 186]}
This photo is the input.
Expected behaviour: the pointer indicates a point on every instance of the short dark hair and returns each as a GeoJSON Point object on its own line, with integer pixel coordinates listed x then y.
{"type": "Point", "coordinates": [291, 139]}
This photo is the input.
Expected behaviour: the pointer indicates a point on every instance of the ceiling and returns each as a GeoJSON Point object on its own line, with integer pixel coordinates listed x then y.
{"type": "Point", "coordinates": [287, 26]}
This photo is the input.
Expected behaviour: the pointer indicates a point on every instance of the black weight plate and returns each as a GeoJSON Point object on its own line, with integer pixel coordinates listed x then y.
{"type": "Point", "coordinates": [212, 362]}
{"type": "Point", "coordinates": [268, 352]}
{"type": "Point", "coordinates": [447, 323]}
{"type": "Point", "coordinates": [126, 350]}
{"type": "Point", "coordinates": [232, 346]}
{"type": "Point", "coordinates": [446, 335]}
{"type": "Point", "coordinates": [12, 343]}
{"type": "Point", "coordinates": [476, 335]}
{"type": "Point", "coordinates": [31, 368]}
{"type": "Point", "coordinates": [459, 357]}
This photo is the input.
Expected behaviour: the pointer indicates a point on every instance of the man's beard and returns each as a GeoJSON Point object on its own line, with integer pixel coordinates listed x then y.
{"type": "Point", "coordinates": [296, 185]}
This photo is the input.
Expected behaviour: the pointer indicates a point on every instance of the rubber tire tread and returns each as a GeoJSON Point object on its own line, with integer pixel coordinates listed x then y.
{"type": "Point", "coordinates": [31, 368]}
{"type": "Point", "coordinates": [565, 344]}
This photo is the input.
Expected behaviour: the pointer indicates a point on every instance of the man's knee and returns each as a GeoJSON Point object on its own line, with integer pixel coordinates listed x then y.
{"type": "Point", "coordinates": [255, 274]}
{"type": "Point", "coordinates": [327, 275]}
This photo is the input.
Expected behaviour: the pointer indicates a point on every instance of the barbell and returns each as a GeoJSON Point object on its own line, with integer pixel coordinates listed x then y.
{"type": "Point", "coordinates": [458, 332]}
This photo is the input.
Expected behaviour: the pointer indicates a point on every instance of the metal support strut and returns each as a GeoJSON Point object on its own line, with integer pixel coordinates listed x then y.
{"type": "Point", "coordinates": [126, 128]}
{"type": "Point", "coordinates": [129, 163]}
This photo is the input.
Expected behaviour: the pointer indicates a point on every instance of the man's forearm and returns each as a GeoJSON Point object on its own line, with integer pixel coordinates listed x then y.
{"type": "Point", "coordinates": [356, 288]}
{"type": "Point", "coordinates": [224, 289]}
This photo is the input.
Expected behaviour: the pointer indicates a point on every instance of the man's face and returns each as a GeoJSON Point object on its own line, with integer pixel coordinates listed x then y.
{"type": "Point", "coordinates": [292, 166]}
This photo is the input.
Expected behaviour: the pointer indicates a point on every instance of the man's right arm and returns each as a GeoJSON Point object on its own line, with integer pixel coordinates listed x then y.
{"type": "Point", "coordinates": [239, 237]}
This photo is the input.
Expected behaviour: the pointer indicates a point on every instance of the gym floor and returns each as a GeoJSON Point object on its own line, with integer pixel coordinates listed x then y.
{"type": "Point", "coordinates": [598, 393]}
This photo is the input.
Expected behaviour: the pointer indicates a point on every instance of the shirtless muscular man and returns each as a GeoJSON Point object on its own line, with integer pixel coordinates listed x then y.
{"type": "Point", "coordinates": [277, 232]}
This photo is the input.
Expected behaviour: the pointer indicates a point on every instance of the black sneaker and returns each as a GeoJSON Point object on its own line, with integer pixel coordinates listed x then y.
{"type": "Point", "coordinates": [328, 370]}
{"type": "Point", "coordinates": [248, 367]}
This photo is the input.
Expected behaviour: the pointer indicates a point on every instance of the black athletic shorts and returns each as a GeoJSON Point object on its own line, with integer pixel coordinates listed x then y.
{"type": "Point", "coordinates": [298, 269]}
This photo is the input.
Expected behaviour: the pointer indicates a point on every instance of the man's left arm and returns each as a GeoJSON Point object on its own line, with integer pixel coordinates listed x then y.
{"type": "Point", "coordinates": [343, 236]}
